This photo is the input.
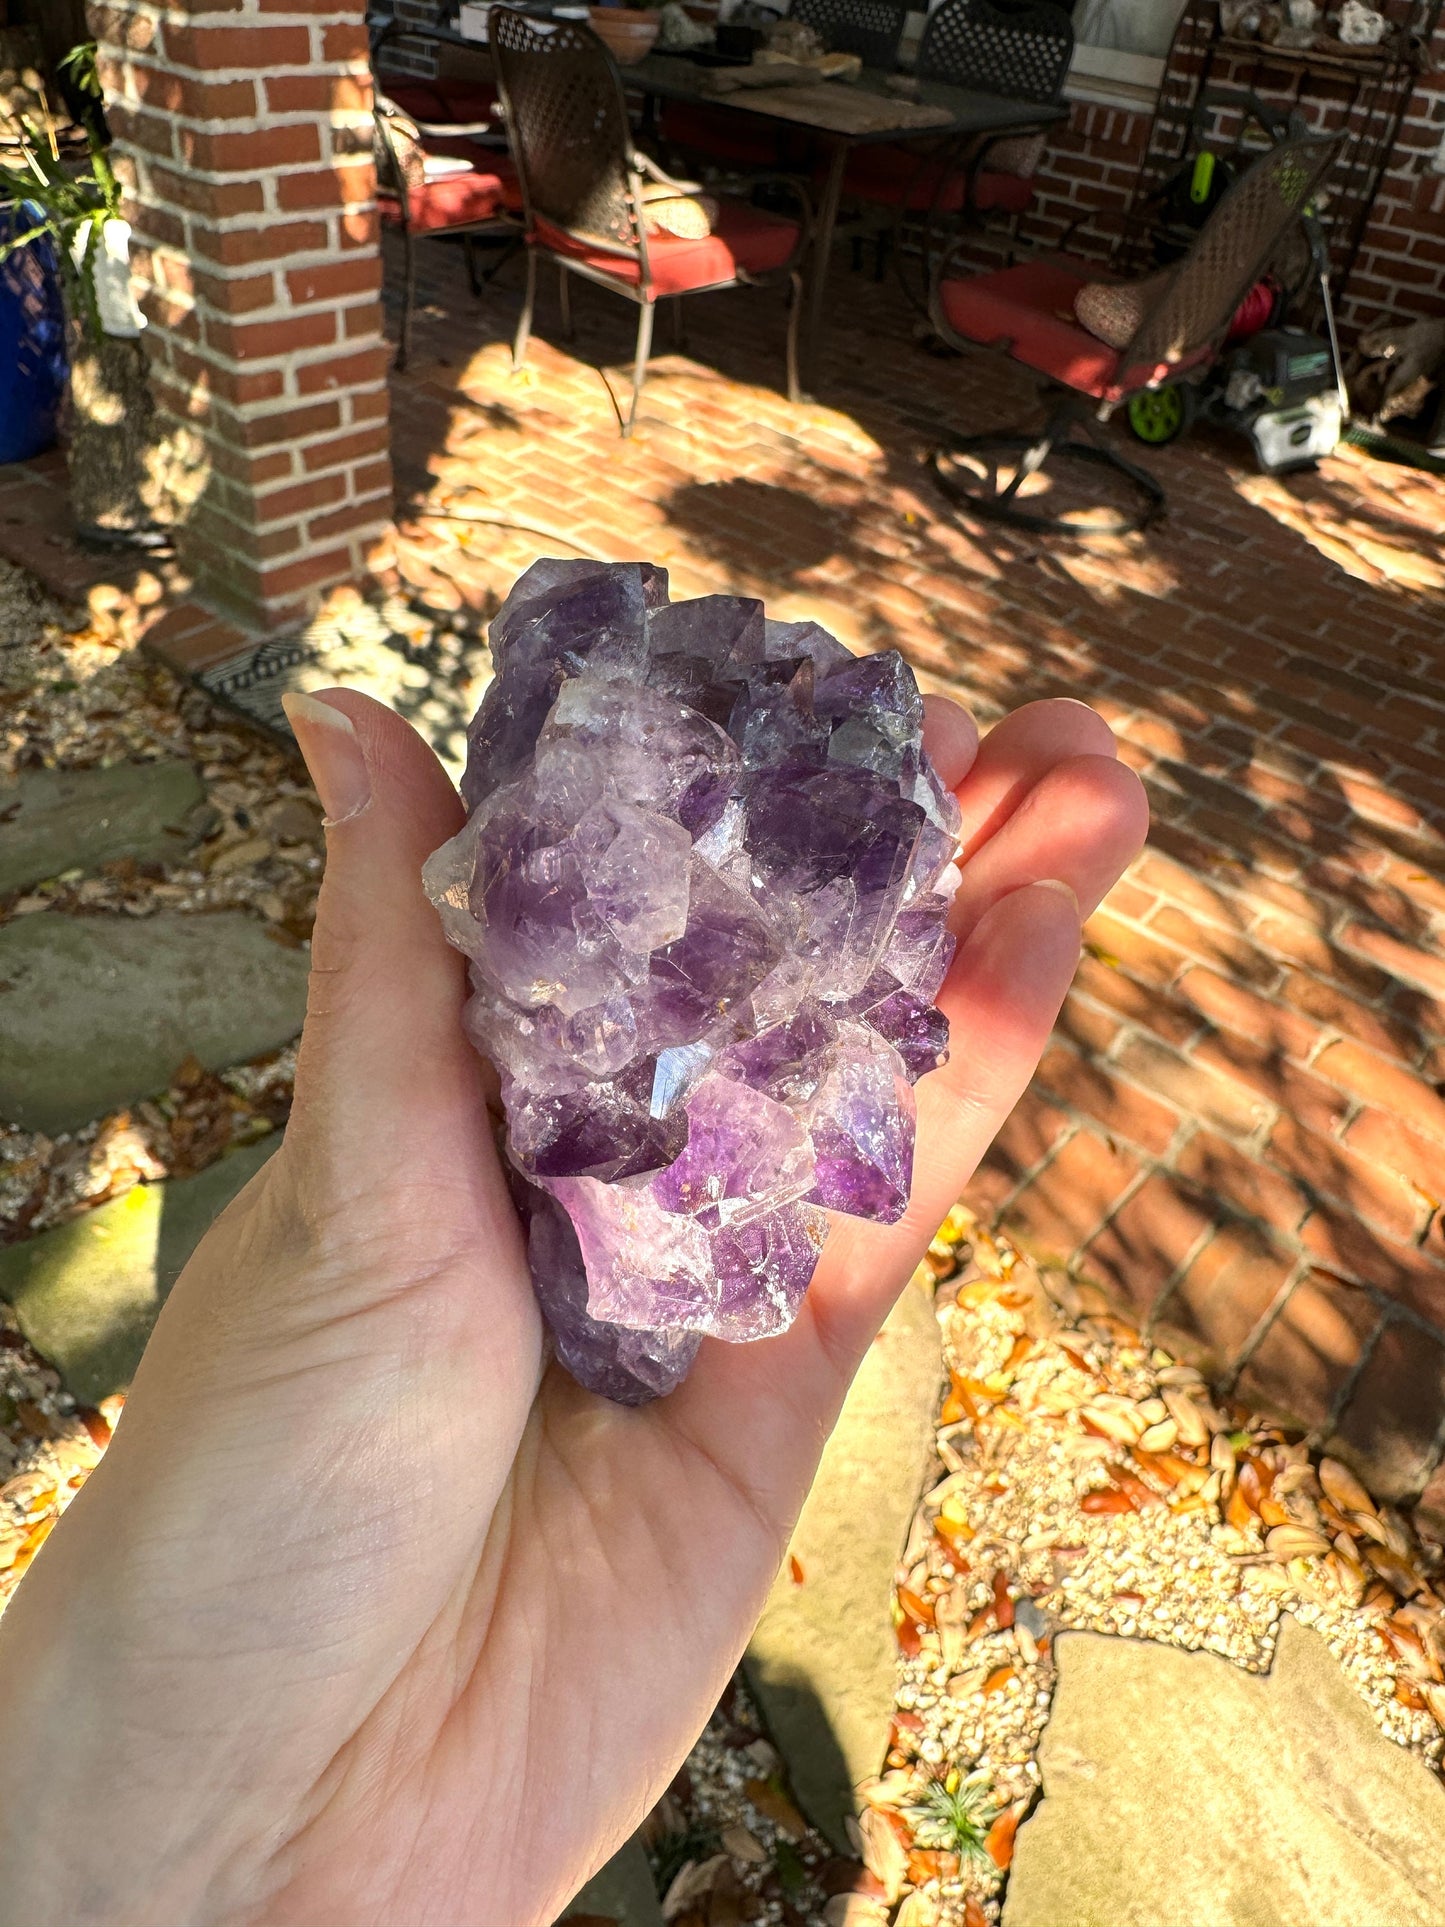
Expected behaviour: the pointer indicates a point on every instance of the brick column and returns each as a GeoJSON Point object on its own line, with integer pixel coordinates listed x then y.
{"type": "Point", "coordinates": [243, 133]}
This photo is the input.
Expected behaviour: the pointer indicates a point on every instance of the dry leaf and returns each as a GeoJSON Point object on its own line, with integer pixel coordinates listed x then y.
{"type": "Point", "coordinates": [998, 1679]}
{"type": "Point", "coordinates": [973, 1914]}
{"type": "Point", "coordinates": [795, 1569]}
{"type": "Point", "coordinates": [884, 1853]}
{"type": "Point", "coordinates": [1188, 1418]}
{"type": "Point", "coordinates": [1343, 1488]}
{"type": "Point", "coordinates": [1000, 1841]}
{"type": "Point", "coordinates": [918, 1610]}
{"type": "Point", "coordinates": [776, 1807]}
{"type": "Point", "coordinates": [910, 1641]}
{"type": "Point", "coordinates": [743, 1845]}
{"type": "Point", "coordinates": [1237, 1513]}
{"type": "Point", "coordinates": [1106, 1501]}
{"type": "Point", "coordinates": [1003, 1605]}
{"type": "Point", "coordinates": [1295, 1542]}
{"type": "Point", "coordinates": [691, 1884]}
{"type": "Point", "coordinates": [930, 1863]}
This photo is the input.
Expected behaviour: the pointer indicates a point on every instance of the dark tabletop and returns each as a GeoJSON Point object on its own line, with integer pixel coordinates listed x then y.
{"type": "Point", "coordinates": [670, 77]}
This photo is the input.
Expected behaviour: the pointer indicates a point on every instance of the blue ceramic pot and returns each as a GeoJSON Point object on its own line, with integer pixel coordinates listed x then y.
{"type": "Point", "coordinates": [33, 364]}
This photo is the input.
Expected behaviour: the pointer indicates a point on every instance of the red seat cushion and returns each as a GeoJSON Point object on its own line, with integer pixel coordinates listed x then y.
{"type": "Point", "coordinates": [1029, 312]}
{"type": "Point", "coordinates": [719, 132]}
{"type": "Point", "coordinates": [462, 200]}
{"type": "Point", "coordinates": [994, 190]}
{"type": "Point", "coordinates": [744, 238]}
{"type": "Point", "coordinates": [442, 100]}
{"type": "Point", "coordinates": [903, 176]}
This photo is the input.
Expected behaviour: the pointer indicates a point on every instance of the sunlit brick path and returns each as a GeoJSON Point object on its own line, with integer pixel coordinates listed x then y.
{"type": "Point", "coordinates": [1238, 1126]}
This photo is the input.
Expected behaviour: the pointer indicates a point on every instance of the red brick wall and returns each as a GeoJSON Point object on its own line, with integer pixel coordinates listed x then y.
{"type": "Point", "coordinates": [243, 131]}
{"type": "Point", "coordinates": [1092, 161]}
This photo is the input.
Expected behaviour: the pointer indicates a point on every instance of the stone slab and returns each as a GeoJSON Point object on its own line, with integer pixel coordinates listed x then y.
{"type": "Point", "coordinates": [1179, 1788]}
{"type": "Point", "coordinates": [621, 1892]}
{"type": "Point", "coordinates": [77, 819]}
{"type": "Point", "coordinates": [823, 1661]}
{"type": "Point", "coordinates": [98, 1011]}
{"type": "Point", "coordinates": [87, 1293]}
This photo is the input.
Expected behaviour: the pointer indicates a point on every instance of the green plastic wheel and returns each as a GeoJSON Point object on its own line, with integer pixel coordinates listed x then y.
{"type": "Point", "coordinates": [1157, 415]}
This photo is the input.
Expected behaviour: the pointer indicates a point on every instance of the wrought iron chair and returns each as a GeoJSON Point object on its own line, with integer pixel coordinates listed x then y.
{"type": "Point", "coordinates": [483, 196]}
{"type": "Point", "coordinates": [1027, 312]}
{"type": "Point", "coordinates": [872, 29]}
{"type": "Point", "coordinates": [1020, 54]}
{"type": "Point", "coordinates": [582, 189]}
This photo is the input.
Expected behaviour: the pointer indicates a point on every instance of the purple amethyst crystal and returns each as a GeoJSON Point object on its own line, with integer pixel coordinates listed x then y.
{"type": "Point", "coordinates": [703, 888]}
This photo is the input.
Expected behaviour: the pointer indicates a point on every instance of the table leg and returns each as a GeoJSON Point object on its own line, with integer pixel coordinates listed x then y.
{"type": "Point", "coordinates": [822, 252]}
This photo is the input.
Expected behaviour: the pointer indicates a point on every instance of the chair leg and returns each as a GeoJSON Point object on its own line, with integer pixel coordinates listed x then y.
{"type": "Point", "coordinates": [469, 249]}
{"type": "Point", "coordinates": [408, 303]}
{"type": "Point", "coordinates": [564, 297]}
{"type": "Point", "coordinates": [524, 326]}
{"type": "Point", "coordinates": [795, 322]}
{"type": "Point", "coordinates": [639, 366]}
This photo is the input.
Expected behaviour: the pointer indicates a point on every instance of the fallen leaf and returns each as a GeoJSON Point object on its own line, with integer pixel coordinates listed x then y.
{"type": "Point", "coordinates": [95, 1425]}
{"type": "Point", "coordinates": [691, 1883]}
{"type": "Point", "coordinates": [929, 1863]}
{"type": "Point", "coordinates": [1003, 1605]}
{"type": "Point", "coordinates": [998, 1679]}
{"type": "Point", "coordinates": [885, 1852]}
{"type": "Point", "coordinates": [1238, 1513]}
{"type": "Point", "coordinates": [1107, 1501]}
{"type": "Point", "coordinates": [795, 1569]}
{"type": "Point", "coordinates": [920, 1610]}
{"type": "Point", "coordinates": [1343, 1488]}
{"type": "Point", "coordinates": [1408, 1694]}
{"type": "Point", "coordinates": [1295, 1542]}
{"type": "Point", "coordinates": [1000, 1841]}
{"type": "Point", "coordinates": [776, 1807]}
{"type": "Point", "coordinates": [973, 1914]}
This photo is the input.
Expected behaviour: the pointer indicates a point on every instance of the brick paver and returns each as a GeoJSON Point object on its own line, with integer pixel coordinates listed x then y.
{"type": "Point", "coordinates": [1240, 1126]}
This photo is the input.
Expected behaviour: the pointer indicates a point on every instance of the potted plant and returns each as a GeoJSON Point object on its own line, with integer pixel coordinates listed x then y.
{"type": "Point", "coordinates": [113, 451]}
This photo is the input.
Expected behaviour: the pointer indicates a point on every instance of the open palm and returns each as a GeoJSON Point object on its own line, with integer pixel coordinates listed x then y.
{"type": "Point", "coordinates": [366, 1617]}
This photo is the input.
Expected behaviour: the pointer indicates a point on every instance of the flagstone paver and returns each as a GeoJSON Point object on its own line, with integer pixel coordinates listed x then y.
{"type": "Point", "coordinates": [62, 819]}
{"type": "Point", "coordinates": [98, 1011]}
{"type": "Point", "coordinates": [87, 1293]}
{"type": "Point", "coordinates": [823, 1660]}
{"type": "Point", "coordinates": [622, 1892]}
{"type": "Point", "coordinates": [1180, 1789]}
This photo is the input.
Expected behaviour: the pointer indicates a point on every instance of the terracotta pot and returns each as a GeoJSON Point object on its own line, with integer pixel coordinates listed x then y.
{"type": "Point", "coordinates": [629, 32]}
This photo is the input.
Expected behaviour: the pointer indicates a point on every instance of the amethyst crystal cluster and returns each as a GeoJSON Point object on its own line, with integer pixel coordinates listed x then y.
{"type": "Point", "coordinates": [703, 887]}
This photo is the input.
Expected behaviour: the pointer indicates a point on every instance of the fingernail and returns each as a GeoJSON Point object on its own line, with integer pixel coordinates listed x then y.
{"type": "Point", "coordinates": [333, 755]}
{"type": "Point", "coordinates": [1056, 883]}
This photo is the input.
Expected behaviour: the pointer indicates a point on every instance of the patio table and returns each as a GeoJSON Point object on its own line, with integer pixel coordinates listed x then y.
{"type": "Point", "coordinates": [823, 108]}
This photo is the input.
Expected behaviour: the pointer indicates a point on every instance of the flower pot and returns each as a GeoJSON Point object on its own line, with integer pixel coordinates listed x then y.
{"type": "Point", "coordinates": [629, 33]}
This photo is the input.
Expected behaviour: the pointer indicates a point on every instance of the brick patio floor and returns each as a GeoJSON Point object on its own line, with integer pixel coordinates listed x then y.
{"type": "Point", "coordinates": [1239, 1127]}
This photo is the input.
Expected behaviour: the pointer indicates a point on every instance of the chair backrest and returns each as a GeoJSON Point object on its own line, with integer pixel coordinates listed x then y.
{"type": "Point", "coordinates": [871, 29]}
{"type": "Point", "coordinates": [567, 125]}
{"type": "Point", "coordinates": [1020, 52]}
{"type": "Point", "coordinates": [1198, 300]}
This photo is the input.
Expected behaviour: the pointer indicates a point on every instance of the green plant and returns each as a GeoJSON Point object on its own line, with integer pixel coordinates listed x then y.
{"type": "Point", "coordinates": [954, 1816]}
{"type": "Point", "coordinates": [63, 205]}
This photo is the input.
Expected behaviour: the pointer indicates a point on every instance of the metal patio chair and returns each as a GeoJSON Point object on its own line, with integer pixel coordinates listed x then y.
{"type": "Point", "coordinates": [872, 29]}
{"type": "Point", "coordinates": [582, 189]}
{"type": "Point", "coordinates": [1019, 53]}
{"type": "Point", "coordinates": [486, 199]}
{"type": "Point", "coordinates": [1027, 312]}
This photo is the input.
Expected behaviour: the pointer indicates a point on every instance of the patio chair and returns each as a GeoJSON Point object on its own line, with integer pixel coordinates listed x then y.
{"type": "Point", "coordinates": [442, 184]}
{"type": "Point", "coordinates": [583, 186]}
{"type": "Point", "coordinates": [1021, 52]}
{"type": "Point", "coordinates": [1183, 316]}
{"type": "Point", "coordinates": [872, 29]}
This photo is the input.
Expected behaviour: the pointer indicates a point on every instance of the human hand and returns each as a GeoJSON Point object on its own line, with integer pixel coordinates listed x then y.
{"type": "Point", "coordinates": [364, 1617]}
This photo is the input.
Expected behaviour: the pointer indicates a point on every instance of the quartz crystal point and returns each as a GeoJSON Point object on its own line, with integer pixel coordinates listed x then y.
{"type": "Point", "coordinates": [702, 888]}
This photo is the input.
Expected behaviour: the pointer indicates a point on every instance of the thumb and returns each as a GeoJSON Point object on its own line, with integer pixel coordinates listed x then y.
{"type": "Point", "coordinates": [383, 1058]}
